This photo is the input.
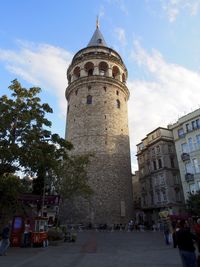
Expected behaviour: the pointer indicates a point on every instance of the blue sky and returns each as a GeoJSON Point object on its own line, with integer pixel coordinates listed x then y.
{"type": "Point", "coordinates": [159, 41]}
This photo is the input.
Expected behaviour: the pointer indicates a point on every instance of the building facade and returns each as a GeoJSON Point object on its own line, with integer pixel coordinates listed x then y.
{"type": "Point", "coordinates": [159, 175]}
{"type": "Point", "coordinates": [97, 124]}
{"type": "Point", "coordinates": [186, 132]}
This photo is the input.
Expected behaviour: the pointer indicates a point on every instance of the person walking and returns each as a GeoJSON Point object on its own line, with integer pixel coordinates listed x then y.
{"type": "Point", "coordinates": [166, 231]}
{"type": "Point", "coordinates": [27, 233]}
{"type": "Point", "coordinates": [185, 241]}
{"type": "Point", "coordinates": [5, 242]}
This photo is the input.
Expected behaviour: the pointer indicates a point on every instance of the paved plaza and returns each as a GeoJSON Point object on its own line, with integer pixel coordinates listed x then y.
{"type": "Point", "coordinates": [99, 249]}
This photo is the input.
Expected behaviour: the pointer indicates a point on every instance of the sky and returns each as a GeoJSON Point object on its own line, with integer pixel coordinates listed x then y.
{"type": "Point", "coordinates": [158, 40]}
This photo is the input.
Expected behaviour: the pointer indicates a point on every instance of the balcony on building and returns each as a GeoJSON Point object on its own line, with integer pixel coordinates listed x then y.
{"type": "Point", "coordinates": [189, 177]}
{"type": "Point", "coordinates": [185, 156]}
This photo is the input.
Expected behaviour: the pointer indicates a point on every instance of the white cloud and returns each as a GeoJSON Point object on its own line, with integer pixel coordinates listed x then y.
{"type": "Point", "coordinates": [42, 65]}
{"type": "Point", "coordinates": [174, 7]}
{"type": "Point", "coordinates": [121, 36]}
{"type": "Point", "coordinates": [172, 91]}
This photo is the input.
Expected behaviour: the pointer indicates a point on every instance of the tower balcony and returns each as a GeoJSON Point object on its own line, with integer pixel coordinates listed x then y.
{"type": "Point", "coordinates": [189, 177]}
{"type": "Point", "coordinates": [185, 156]}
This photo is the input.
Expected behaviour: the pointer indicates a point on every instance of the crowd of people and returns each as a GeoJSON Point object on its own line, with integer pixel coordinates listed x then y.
{"type": "Point", "coordinates": [183, 234]}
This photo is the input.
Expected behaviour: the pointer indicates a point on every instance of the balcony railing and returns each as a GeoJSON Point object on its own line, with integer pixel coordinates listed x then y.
{"type": "Point", "coordinates": [185, 156]}
{"type": "Point", "coordinates": [189, 177]}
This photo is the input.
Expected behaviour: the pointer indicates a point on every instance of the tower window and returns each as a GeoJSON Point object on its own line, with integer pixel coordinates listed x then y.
{"type": "Point", "coordinates": [90, 72]}
{"type": "Point", "coordinates": [76, 92]}
{"type": "Point", "coordinates": [118, 103]}
{"type": "Point", "coordinates": [115, 72]}
{"type": "Point", "coordinates": [68, 109]}
{"type": "Point", "coordinates": [99, 41]}
{"type": "Point", "coordinates": [105, 88]}
{"type": "Point", "coordinates": [89, 87]}
{"type": "Point", "coordinates": [123, 78]}
{"type": "Point", "coordinates": [89, 99]}
{"type": "Point", "coordinates": [76, 72]}
{"type": "Point", "coordinates": [117, 92]}
{"type": "Point", "coordinates": [89, 68]}
{"type": "Point", "coordinates": [103, 68]}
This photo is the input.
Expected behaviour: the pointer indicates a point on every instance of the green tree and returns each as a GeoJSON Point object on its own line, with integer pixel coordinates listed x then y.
{"type": "Point", "coordinates": [10, 189]}
{"type": "Point", "coordinates": [193, 203]}
{"type": "Point", "coordinates": [26, 143]}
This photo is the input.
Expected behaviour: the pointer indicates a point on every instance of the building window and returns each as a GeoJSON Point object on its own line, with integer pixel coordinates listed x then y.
{"type": "Point", "coordinates": [117, 92]}
{"type": "Point", "coordinates": [194, 125]}
{"type": "Point", "coordinates": [164, 195]}
{"type": "Point", "coordinates": [181, 132]}
{"type": "Point", "coordinates": [89, 99]}
{"type": "Point", "coordinates": [89, 88]}
{"type": "Point", "coordinates": [76, 92]}
{"type": "Point", "coordinates": [192, 188]}
{"type": "Point", "coordinates": [158, 149]}
{"type": "Point", "coordinates": [68, 109]}
{"type": "Point", "coordinates": [118, 103]}
{"type": "Point", "coordinates": [190, 142]}
{"type": "Point", "coordinates": [188, 167]}
{"type": "Point", "coordinates": [158, 196]}
{"type": "Point", "coordinates": [105, 88]}
{"type": "Point", "coordinates": [177, 195]}
{"type": "Point", "coordinates": [198, 139]}
{"type": "Point", "coordinates": [188, 127]}
{"type": "Point", "coordinates": [153, 151]}
{"type": "Point", "coordinates": [176, 179]}
{"type": "Point", "coordinates": [198, 123]}
{"type": "Point", "coordinates": [170, 148]}
{"type": "Point", "coordinates": [172, 162]}
{"type": "Point", "coordinates": [184, 148]}
{"type": "Point", "coordinates": [154, 165]}
{"type": "Point", "coordinates": [159, 163]}
{"type": "Point", "coordinates": [196, 166]}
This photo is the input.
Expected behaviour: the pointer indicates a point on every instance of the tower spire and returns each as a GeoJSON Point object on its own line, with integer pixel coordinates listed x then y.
{"type": "Point", "coordinates": [97, 22]}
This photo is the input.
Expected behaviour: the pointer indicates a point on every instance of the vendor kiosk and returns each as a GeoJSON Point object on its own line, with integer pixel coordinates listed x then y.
{"type": "Point", "coordinates": [39, 235]}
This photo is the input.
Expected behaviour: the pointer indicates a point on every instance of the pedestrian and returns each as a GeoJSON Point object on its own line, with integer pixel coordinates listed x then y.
{"type": "Point", "coordinates": [27, 233]}
{"type": "Point", "coordinates": [197, 232]}
{"type": "Point", "coordinates": [185, 241]}
{"type": "Point", "coordinates": [166, 231]}
{"type": "Point", "coordinates": [5, 242]}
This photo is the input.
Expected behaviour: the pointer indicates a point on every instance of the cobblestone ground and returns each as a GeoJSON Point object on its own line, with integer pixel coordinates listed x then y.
{"type": "Point", "coordinates": [99, 249]}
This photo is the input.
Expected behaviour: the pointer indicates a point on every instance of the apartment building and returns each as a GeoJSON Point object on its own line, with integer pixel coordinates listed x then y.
{"type": "Point", "coordinates": [186, 133]}
{"type": "Point", "coordinates": [159, 175]}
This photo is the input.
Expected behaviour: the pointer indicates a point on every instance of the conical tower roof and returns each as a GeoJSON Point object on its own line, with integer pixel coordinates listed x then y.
{"type": "Point", "coordinates": [97, 38]}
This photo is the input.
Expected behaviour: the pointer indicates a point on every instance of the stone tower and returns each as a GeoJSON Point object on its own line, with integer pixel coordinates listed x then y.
{"type": "Point", "coordinates": [97, 123]}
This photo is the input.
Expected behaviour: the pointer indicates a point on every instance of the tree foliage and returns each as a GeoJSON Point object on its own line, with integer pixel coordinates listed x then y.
{"type": "Point", "coordinates": [10, 189]}
{"type": "Point", "coordinates": [193, 203]}
{"type": "Point", "coordinates": [26, 143]}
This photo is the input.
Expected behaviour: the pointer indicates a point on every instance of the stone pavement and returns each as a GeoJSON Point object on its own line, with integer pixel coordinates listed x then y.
{"type": "Point", "coordinates": [99, 249]}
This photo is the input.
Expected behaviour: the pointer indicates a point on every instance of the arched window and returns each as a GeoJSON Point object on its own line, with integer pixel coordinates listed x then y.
{"type": "Point", "coordinates": [89, 99]}
{"type": "Point", "coordinates": [99, 41]}
{"type": "Point", "coordinates": [76, 72]}
{"type": "Point", "coordinates": [115, 72]}
{"type": "Point", "coordinates": [69, 78]}
{"type": "Point", "coordinates": [89, 68]}
{"type": "Point", "coordinates": [103, 68]}
{"type": "Point", "coordinates": [118, 103]}
{"type": "Point", "coordinates": [123, 78]}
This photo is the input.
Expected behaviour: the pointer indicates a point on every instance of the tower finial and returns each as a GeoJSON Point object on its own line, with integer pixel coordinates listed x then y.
{"type": "Point", "coordinates": [97, 22]}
